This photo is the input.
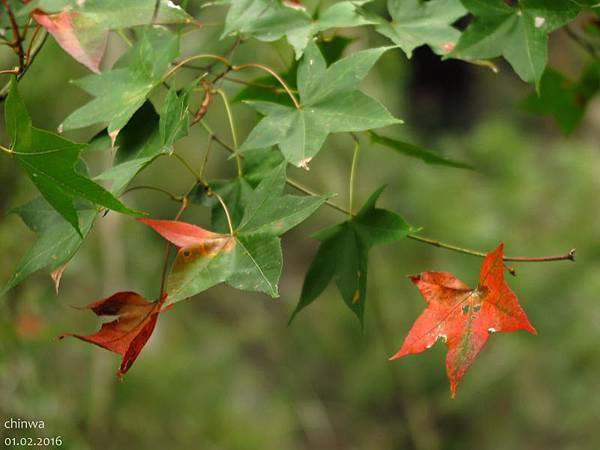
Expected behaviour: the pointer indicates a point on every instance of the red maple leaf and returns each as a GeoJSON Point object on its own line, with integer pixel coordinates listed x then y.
{"type": "Point", "coordinates": [128, 334]}
{"type": "Point", "coordinates": [463, 317]}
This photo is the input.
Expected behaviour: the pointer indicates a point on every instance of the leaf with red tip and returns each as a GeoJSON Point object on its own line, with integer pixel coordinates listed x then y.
{"type": "Point", "coordinates": [77, 34]}
{"type": "Point", "coordinates": [127, 335]}
{"type": "Point", "coordinates": [463, 317]}
{"type": "Point", "coordinates": [181, 234]}
{"type": "Point", "coordinates": [204, 258]}
{"type": "Point", "coordinates": [250, 257]}
{"type": "Point", "coordinates": [81, 28]}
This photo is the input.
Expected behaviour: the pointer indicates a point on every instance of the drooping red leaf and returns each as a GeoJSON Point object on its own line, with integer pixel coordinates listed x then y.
{"type": "Point", "coordinates": [181, 234]}
{"type": "Point", "coordinates": [193, 242]}
{"type": "Point", "coordinates": [127, 335]}
{"type": "Point", "coordinates": [463, 317]}
{"type": "Point", "coordinates": [77, 34]}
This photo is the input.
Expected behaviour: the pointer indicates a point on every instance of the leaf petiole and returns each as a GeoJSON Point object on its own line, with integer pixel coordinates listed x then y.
{"type": "Point", "coordinates": [229, 223]}
{"type": "Point", "coordinates": [272, 73]}
{"type": "Point", "coordinates": [352, 175]}
{"type": "Point", "coordinates": [236, 153]}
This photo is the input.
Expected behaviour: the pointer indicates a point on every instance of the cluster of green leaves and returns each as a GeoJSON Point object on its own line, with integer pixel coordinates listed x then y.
{"type": "Point", "coordinates": [320, 95]}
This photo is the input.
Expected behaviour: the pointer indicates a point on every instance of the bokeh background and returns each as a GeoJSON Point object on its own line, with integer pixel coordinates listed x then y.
{"type": "Point", "coordinates": [223, 370]}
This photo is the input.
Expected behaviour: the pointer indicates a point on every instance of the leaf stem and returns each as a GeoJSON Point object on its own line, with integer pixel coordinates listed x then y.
{"type": "Point", "coordinates": [236, 153]}
{"type": "Point", "coordinates": [10, 151]}
{"type": "Point", "coordinates": [175, 198]}
{"type": "Point", "coordinates": [163, 277]}
{"type": "Point", "coordinates": [206, 155]}
{"type": "Point", "coordinates": [30, 46]}
{"type": "Point", "coordinates": [272, 73]}
{"type": "Point", "coordinates": [190, 169]}
{"type": "Point", "coordinates": [32, 55]}
{"type": "Point", "coordinates": [353, 175]}
{"type": "Point", "coordinates": [273, 88]}
{"type": "Point", "coordinates": [183, 62]}
{"type": "Point", "coordinates": [569, 256]}
{"type": "Point", "coordinates": [231, 67]}
{"type": "Point", "coordinates": [307, 191]}
{"type": "Point", "coordinates": [224, 209]}
{"type": "Point", "coordinates": [124, 37]}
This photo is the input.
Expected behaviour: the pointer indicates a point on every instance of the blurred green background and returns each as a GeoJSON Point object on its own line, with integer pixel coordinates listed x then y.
{"type": "Point", "coordinates": [223, 371]}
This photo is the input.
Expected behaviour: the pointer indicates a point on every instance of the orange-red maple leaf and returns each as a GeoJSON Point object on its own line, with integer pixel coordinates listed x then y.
{"type": "Point", "coordinates": [463, 317]}
{"type": "Point", "coordinates": [128, 334]}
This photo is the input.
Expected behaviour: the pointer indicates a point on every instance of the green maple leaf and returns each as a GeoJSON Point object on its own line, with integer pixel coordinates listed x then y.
{"type": "Point", "coordinates": [269, 20]}
{"type": "Point", "coordinates": [49, 160]}
{"type": "Point", "coordinates": [344, 252]}
{"type": "Point", "coordinates": [268, 88]}
{"type": "Point", "coordinates": [564, 99]}
{"type": "Point", "coordinates": [330, 102]}
{"type": "Point", "coordinates": [175, 117]}
{"type": "Point", "coordinates": [253, 261]}
{"type": "Point", "coordinates": [57, 241]}
{"type": "Point", "coordinates": [123, 90]}
{"type": "Point", "coordinates": [519, 33]}
{"type": "Point", "coordinates": [418, 22]}
{"type": "Point", "coordinates": [138, 145]}
{"type": "Point", "coordinates": [236, 192]}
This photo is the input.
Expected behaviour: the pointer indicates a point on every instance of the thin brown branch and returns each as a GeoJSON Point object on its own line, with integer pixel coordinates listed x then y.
{"type": "Point", "coordinates": [17, 43]}
{"type": "Point", "coordinates": [570, 256]}
{"type": "Point", "coordinates": [30, 46]}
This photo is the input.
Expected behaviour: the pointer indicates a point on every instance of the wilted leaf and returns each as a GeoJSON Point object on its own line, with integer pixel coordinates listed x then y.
{"type": "Point", "coordinates": [127, 335]}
